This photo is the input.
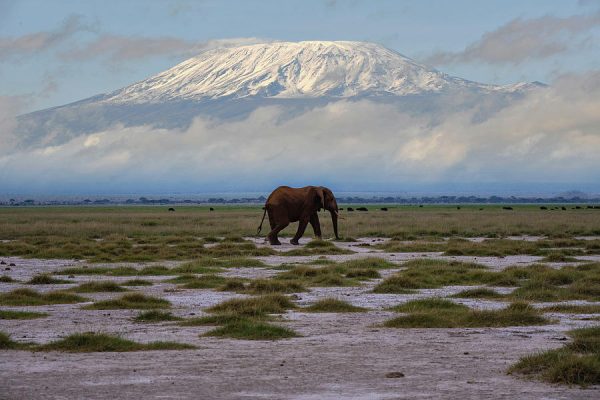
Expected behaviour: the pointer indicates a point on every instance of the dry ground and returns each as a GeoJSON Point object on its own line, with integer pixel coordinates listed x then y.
{"type": "Point", "coordinates": [336, 355]}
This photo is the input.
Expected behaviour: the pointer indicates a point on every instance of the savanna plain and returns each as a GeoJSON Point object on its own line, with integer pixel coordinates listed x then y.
{"type": "Point", "coordinates": [469, 302]}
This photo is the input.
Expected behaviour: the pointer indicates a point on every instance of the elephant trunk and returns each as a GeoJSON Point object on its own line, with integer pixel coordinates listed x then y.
{"type": "Point", "coordinates": [334, 220]}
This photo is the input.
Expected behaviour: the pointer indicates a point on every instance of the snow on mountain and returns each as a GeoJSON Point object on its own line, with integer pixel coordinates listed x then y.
{"type": "Point", "coordinates": [230, 83]}
{"type": "Point", "coordinates": [295, 70]}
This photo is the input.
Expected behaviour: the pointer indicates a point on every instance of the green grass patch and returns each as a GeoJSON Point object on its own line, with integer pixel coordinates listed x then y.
{"type": "Point", "coordinates": [558, 257]}
{"type": "Point", "coordinates": [220, 319]}
{"type": "Point", "coordinates": [329, 275]}
{"type": "Point", "coordinates": [6, 343]}
{"type": "Point", "coordinates": [427, 273]}
{"type": "Point", "coordinates": [137, 282]}
{"type": "Point", "coordinates": [266, 286]}
{"type": "Point", "coordinates": [574, 308]}
{"type": "Point", "coordinates": [233, 285]}
{"type": "Point", "coordinates": [116, 271]}
{"type": "Point", "coordinates": [201, 282]}
{"type": "Point", "coordinates": [368, 263]}
{"type": "Point", "coordinates": [316, 247]}
{"type": "Point", "coordinates": [45, 279]}
{"type": "Point", "coordinates": [130, 301]}
{"type": "Point", "coordinates": [253, 306]}
{"type": "Point", "coordinates": [429, 304]}
{"type": "Point", "coordinates": [6, 279]}
{"type": "Point", "coordinates": [28, 297]}
{"type": "Point", "coordinates": [363, 274]}
{"type": "Point", "coordinates": [99, 342]}
{"type": "Point", "coordinates": [577, 363]}
{"type": "Point", "coordinates": [330, 305]}
{"type": "Point", "coordinates": [479, 293]}
{"type": "Point", "coordinates": [156, 316]}
{"type": "Point", "coordinates": [445, 315]}
{"type": "Point", "coordinates": [98, 286]}
{"type": "Point", "coordinates": [9, 314]}
{"type": "Point", "coordinates": [249, 329]}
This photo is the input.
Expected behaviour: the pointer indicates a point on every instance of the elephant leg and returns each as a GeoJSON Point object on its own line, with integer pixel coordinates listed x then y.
{"type": "Point", "coordinates": [271, 219]}
{"type": "Point", "coordinates": [300, 232]}
{"type": "Point", "coordinates": [314, 222]}
{"type": "Point", "coordinates": [272, 236]}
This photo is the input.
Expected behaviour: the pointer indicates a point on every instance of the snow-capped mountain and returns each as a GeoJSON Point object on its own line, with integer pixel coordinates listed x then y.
{"type": "Point", "coordinates": [229, 83]}
{"type": "Point", "coordinates": [294, 70]}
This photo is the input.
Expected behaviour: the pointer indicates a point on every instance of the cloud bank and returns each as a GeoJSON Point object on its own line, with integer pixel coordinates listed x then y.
{"type": "Point", "coordinates": [525, 39]}
{"type": "Point", "coordinates": [33, 43]}
{"type": "Point", "coordinates": [551, 135]}
{"type": "Point", "coordinates": [118, 49]}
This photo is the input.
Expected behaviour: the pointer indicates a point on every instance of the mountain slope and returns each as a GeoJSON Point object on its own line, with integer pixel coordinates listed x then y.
{"type": "Point", "coordinates": [294, 70]}
{"type": "Point", "coordinates": [232, 82]}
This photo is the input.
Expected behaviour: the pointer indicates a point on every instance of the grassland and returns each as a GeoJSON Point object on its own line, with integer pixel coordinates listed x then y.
{"type": "Point", "coordinates": [213, 254]}
{"type": "Point", "coordinates": [152, 233]}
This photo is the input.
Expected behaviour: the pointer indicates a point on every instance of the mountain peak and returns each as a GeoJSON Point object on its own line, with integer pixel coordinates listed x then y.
{"type": "Point", "coordinates": [293, 70]}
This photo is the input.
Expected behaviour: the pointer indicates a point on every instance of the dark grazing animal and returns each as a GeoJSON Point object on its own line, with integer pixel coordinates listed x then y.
{"type": "Point", "coordinates": [286, 204]}
{"type": "Point", "coordinates": [362, 209]}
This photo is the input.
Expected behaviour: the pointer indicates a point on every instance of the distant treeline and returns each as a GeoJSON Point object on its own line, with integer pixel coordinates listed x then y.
{"type": "Point", "coordinates": [341, 200]}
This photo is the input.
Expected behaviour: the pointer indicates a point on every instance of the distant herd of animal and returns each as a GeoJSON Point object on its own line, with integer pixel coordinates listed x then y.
{"type": "Point", "coordinates": [362, 209]}
{"type": "Point", "coordinates": [286, 204]}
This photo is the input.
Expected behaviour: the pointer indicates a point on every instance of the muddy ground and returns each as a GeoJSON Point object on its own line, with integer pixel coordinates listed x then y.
{"type": "Point", "coordinates": [337, 356]}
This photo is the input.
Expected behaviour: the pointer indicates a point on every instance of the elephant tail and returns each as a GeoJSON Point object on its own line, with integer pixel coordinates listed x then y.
{"type": "Point", "coordinates": [261, 222]}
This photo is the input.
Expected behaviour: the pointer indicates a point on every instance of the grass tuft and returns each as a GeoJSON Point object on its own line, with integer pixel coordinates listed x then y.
{"type": "Point", "coordinates": [266, 286]}
{"type": "Point", "coordinates": [130, 301]}
{"type": "Point", "coordinates": [28, 297]}
{"type": "Point", "coordinates": [252, 330]}
{"type": "Point", "coordinates": [430, 304]}
{"type": "Point", "coordinates": [99, 342]}
{"type": "Point", "coordinates": [578, 363]}
{"type": "Point", "coordinates": [479, 293]}
{"type": "Point", "coordinates": [137, 282]}
{"type": "Point", "coordinates": [254, 306]}
{"type": "Point", "coordinates": [6, 343]}
{"type": "Point", "coordinates": [45, 279]}
{"type": "Point", "coordinates": [331, 305]}
{"type": "Point", "coordinates": [438, 313]}
{"type": "Point", "coordinates": [9, 314]}
{"type": "Point", "coordinates": [156, 316]}
{"type": "Point", "coordinates": [574, 308]}
{"type": "Point", "coordinates": [98, 286]}
{"type": "Point", "coordinates": [218, 319]}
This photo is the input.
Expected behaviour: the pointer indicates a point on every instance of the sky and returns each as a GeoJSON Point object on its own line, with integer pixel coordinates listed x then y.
{"type": "Point", "coordinates": [53, 53]}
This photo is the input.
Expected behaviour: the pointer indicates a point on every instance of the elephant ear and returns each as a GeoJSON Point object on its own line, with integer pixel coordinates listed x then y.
{"type": "Point", "coordinates": [318, 197]}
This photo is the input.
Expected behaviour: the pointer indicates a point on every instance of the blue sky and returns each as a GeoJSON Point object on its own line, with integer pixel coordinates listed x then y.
{"type": "Point", "coordinates": [89, 48]}
{"type": "Point", "coordinates": [57, 52]}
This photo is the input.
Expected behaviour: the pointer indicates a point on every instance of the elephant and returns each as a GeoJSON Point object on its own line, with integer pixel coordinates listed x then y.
{"type": "Point", "coordinates": [286, 204]}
